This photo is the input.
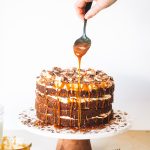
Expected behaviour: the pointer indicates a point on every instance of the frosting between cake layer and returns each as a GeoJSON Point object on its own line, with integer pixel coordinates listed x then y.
{"type": "Point", "coordinates": [104, 115]}
{"type": "Point", "coordinates": [71, 99]}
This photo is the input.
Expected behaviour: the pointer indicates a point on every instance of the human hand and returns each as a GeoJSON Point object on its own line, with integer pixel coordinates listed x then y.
{"type": "Point", "coordinates": [100, 4]}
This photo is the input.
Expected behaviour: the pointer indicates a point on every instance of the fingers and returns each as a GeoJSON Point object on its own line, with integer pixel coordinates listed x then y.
{"type": "Point", "coordinates": [100, 4]}
{"type": "Point", "coordinates": [106, 3]}
{"type": "Point", "coordinates": [79, 6]}
{"type": "Point", "coordinates": [93, 11]}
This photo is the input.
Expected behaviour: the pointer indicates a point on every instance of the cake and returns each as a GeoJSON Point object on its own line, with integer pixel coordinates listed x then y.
{"type": "Point", "coordinates": [59, 101]}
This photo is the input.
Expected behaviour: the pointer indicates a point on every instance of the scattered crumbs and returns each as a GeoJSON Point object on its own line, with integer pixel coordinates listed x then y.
{"type": "Point", "coordinates": [29, 119]}
{"type": "Point", "coordinates": [125, 113]}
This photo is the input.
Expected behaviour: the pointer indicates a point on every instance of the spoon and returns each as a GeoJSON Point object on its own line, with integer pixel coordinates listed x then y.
{"type": "Point", "coordinates": [82, 44]}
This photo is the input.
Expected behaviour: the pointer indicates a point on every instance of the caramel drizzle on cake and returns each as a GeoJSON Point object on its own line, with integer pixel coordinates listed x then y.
{"type": "Point", "coordinates": [79, 91]}
{"type": "Point", "coordinates": [59, 90]}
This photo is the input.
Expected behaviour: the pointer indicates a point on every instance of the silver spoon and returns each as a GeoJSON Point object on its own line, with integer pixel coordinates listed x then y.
{"type": "Point", "coordinates": [82, 44]}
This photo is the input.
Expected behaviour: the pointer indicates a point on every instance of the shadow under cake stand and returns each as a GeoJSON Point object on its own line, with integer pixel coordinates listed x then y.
{"type": "Point", "coordinates": [70, 139]}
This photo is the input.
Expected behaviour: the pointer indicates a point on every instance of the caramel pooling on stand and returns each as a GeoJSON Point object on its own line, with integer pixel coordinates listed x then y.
{"type": "Point", "coordinates": [11, 144]}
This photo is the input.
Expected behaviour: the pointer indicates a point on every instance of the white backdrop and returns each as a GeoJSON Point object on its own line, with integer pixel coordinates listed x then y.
{"type": "Point", "coordinates": [36, 35]}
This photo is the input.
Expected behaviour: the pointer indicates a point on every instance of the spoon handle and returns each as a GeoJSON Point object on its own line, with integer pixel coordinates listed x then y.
{"type": "Point", "coordinates": [87, 8]}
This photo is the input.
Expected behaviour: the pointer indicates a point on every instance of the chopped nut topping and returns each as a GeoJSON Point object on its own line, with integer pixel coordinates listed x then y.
{"type": "Point", "coordinates": [91, 71]}
{"type": "Point", "coordinates": [71, 76]}
{"type": "Point", "coordinates": [98, 78]}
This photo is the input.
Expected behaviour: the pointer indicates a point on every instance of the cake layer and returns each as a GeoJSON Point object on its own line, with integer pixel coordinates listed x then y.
{"type": "Point", "coordinates": [85, 113]}
{"type": "Point", "coordinates": [70, 122]}
{"type": "Point", "coordinates": [92, 93]}
{"type": "Point", "coordinates": [55, 103]}
{"type": "Point", "coordinates": [72, 99]}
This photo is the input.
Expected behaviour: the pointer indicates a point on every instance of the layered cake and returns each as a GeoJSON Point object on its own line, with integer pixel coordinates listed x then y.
{"type": "Point", "coordinates": [60, 101]}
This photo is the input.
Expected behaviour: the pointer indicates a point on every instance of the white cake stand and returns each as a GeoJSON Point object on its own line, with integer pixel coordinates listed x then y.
{"type": "Point", "coordinates": [70, 139]}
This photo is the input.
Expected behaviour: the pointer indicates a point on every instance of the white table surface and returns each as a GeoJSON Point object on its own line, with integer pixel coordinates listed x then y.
{"type": "Point", "coordinates": [139, 140]}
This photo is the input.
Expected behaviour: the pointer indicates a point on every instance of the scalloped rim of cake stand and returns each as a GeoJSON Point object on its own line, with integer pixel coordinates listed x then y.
{"type": "Point", "coordinates": [111, 130]}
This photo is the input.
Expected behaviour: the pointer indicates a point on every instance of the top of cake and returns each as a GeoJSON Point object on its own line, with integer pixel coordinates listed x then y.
{"type": "Point", "coordinates": [58, 76]}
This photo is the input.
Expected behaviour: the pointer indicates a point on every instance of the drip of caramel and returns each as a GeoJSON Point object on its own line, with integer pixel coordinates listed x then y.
{"type": "Point", "coordinates": [89, 98]}
{"type": "Point", "coordinates": [79, 92]}
{"type": "Point", "coordinates": [80, 50]}
{"type": "Point", "coordinates": [54, 115]}
{"type": "Point", "coordinates": [58, 104]}
{"type": "Point", "coordinates": [46, 105]}
{"type": "Point", "coordinates": [97, 95]}
{"type": "Point", "coordinates": [59, 87]}
{"type": "Point", "coordinates": [7, 143]}
{"type": "Point", "coordinates": [71, 113]}
{"type": "Point", "coordinates": [46, 110]}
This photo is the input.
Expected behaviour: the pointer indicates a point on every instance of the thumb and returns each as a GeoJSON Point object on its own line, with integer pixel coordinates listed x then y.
{"type": "Point", "coordinates": [100, 4]}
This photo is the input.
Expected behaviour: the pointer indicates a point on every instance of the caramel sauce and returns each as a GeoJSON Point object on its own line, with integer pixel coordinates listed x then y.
{"type": "Point", "coordinates": [7, 143]}
{"type": "Point", "coordinates": [58, 105]}
{"type": "Point", "coordinates": [54, 114]}
{"type": "Point", "coordinates": [79, 92]}
{"type": "Point", "coordinates": [71, 107]}
{"type": "Point", "coordinates": [59, 87]}
{"type": "Point", "coordinates": [89, 95]}
{"type": "Point", "coordinates": [80, 50]}
{"type": "Point", "coordinates": [97, 96]}
{"type": "Point", "coordinates": [46, 108]}
{"type": "Point", "coordinates": [103, 104]}
{"type": "Point", "coordinates": [46, 104]}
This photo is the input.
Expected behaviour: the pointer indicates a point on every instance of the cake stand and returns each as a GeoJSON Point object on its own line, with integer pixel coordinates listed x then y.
{"type": "Point", "coordinates": [71, 139]}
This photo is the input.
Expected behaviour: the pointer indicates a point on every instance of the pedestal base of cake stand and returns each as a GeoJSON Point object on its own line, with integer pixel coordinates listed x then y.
{"type": "Point", "coordinates": [64, 144]}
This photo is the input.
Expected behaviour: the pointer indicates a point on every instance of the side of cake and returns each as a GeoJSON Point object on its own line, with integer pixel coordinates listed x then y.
{"type": "Point", "coordinates": [59, 102]}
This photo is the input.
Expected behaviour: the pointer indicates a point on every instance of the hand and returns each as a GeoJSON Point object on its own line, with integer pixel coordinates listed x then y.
{"type": "Point", "coordinates": [100, 4]}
